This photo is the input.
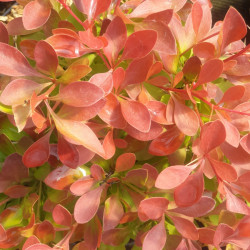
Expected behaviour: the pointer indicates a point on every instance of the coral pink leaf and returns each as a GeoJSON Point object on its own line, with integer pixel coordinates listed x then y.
{"type": "Point", "coordinates": [39, 246]}
{"type": "Point", "coordinates": [80, 94]}
{"type": "Point", "coordinates": [235, 204]}
{"type": "Point", "coordinates": [164, 16]}
{"type": "Point", "coordinates": [185, 118]}
{"type": "Point", "coordinates": [137, 177]}
{"type": "Point", "coordinates": [92, 8]}
{"type": "Point", "coordinates": [172, 177]}
{"type": "Point", "coordinates": [245, 143]}
{"type": "Point", "coordinates": [79, 133]}
{"type": "Point", "coordinates": [62, 177]}
{"type": "Point", "coordinates": [38, 153]}
{"type": "Point", "coordinates": [156, 237]}
{"type": "Point", "coordinates": [62, 216]}
{"type": "Point", "coordinates": [45, 232]}
{"type": "Point", "coordinates": [204, 50]}
{"type": "Point", "coordinates": [224, 170]}
{"type": "Point", "coordinates": [167, 143]}
{"type": "Point", "coordinates": [13, 62]}
{"type": "Point", "coordinates": [210, 71]}
{"type": "Point", "coordinates": [137, 70]}
{"type": "Point", "coordinates": [85, 154]}
{"type": "Point", "coordinates": [3, 235]}
{"type": "Point", "coordinates": [234, 28]}
{"type": "Point", "coordinates": [157, 111]}
{"type": "Point", "coordinates": [17, 191]}
{"type": "Point", "coordinates": [27, 47]}
{"type": "Point", "coordinates": [206, 235]}
{"type": "Point", "coordinates": [114, 237]}
{"type": "Point", "coordinates": [87, 205]}
{"type": "Point", "coordinates": [35, 14]}
{"type": "Point", "coordinates": [4, 36]}
{"type": "Point", "coordinates": [82, 186]}
{"type": "Point", "coordinates": [87, 37]}
{"type": "Point", "coordinates": [243, 227]}
{"type": "Point", "coordinates": [213, 134]}
{"type": "Point", "coordinates": [190, 191]}
{"type": "Point", "coordinates": [111, 112]}
{"type": "Point", "coordinates": [32, 240]}
{"type": "Point", "coordinates": [109, 145]}
{"type": "Point", "coordinates": [152, 208]}
{"type": "Point", "coordinates": [125, 162]}
{"type": "Point", "coordinates": [222, 232]}
{"type": "Point", "coordinates": [97, 172]}
{"type": "Point", "coordinates": [116, 35]}
{"type": "Point", "coordinates": [137, 115]}
{"type": "Point", "coordinates": [139, 44]}
{"type": "Point", "coordinates": [67, 152]}
{"type": "Point", "coordinates": [152, 175]}
{"type": "Point", "coordinates": [118, 77]}
{"type": "Point", "coordinates": [232, 94]}
{"type": "Point", "coordinates": [199, 209]}
{"type": "Point", "coordinates": [186, 228]}
{"type": "Point", "coordinates": [46, 58]}
{"type": "Point", "coordinates": [197, 14]}
{"type": "Point", "coordinates": [113, 212]}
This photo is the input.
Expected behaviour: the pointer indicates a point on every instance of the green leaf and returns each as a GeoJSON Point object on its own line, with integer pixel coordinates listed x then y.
{"type": "Point", "coordinates": [41, 172]}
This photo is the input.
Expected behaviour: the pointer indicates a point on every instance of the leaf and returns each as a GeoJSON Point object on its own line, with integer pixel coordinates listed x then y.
{"type": "Point", "coordinates": [125, 162]}
{"type": "Point", "coordinates": [224, 170]}
{"type": "Point", "coordinates": [61, 177]}
{"type": "Point", "coordinates": [39, 246]}
{"type": "Point", "coordinates": [206, 235]}
{"type": "Point", "coordinates": [167, 143]}
{"type": "Point", "coordinates": [164, 16]}
{"type": "Point", "coordinates": [46, 58]}
{"type": "Point", "coordinates": [97, 172]}
{"type": "Point", "coordinates": [116, 35]}
{"type": "Point", "coordinates": [213, 134]}
{"type": "Point", "coordinates": [152, 175]}
{"type": "Point", "coordinates": [172, 177]}
{"type": "Point", "coordinates": [89, 39]}
{"type": "Point", "coordinates": [82, 186]}
{"type": "Point", "coordinates": [139, 44]}
{"type": "Point", "coordinates": [232, 94]}
{"type": "Point", "coordinates": [190, 191]}
{"type": "Point", "coordinates": [115, 237]}
{"type": "Point", "coordinates": [113, 213]}
{"type": "Point", "coordinates": [79, 132]}
{"type": "Point", "coordinates": [185, 118]}
{"type": "Point", "coordinates": [192, 68]}
{"type": "Point", "coordinates": [80, 94]}
{"type": "Point", "coordinates": [87, 205]}
{"type": "Point", "coordinates": [137, 115]}
{"type": "Point", "coordinates": [109, 145]}
{"type": "Point", "coordinates": [62, 216]}
{"type": "Point", "coordinates": [233, 29]}
{"type": "Point", "coordinates": [21, 115]}
{"type": "Point", "coordinates": [210, 71]}
{"type": "Point", "coordinates": [222, 232]}
{"type": "Point", "coordinates": [67, 152]}
{"type": "Point", "coordinates": [38, 153]}
{"type": "Point", "coordinates": [27, 47]}
{"type": "Point", "coordinates": [152, 208]}
{"type": "Point", "coordinates": [137, 177]}
{"type": "Point", "coordinates": [4, 36]}
{"type": "Point", "coordinates": [199, 209]}
{"type": "Point", "coordinates": [17, 191]}
{"type": "Point", "coordinates": [245, 143]}
{"type": "Point", "coordinates": [36, 14]}
{"type": "Point", "coordinates": [156, 237]}
{"type": "Point", "coordinates": [3, 235]}
{"type": "Point", "coordinates": [204, 50]}
{"type": "Point", "coordinates": [185, 227]}
{"type": "Point", "coordinates": [32, 240]}
{"type": "Point", "coordinates": [45, 232]}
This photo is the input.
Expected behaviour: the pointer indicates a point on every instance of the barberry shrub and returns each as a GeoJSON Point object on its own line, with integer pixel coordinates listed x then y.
{"type": "Point", "coordinates": [124, 124]}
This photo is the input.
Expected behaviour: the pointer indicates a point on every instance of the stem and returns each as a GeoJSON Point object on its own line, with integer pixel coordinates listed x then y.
{"type": "Point", "coordinates": [39, 201]}
{"type": "Point", "coordinates": [238, 54]}
{"type": "Point", "coordinates": [104, 60]}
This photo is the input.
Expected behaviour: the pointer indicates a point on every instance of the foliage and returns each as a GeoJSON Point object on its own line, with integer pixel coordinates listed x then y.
{"type": "Point", "coordinates": [124, 121]}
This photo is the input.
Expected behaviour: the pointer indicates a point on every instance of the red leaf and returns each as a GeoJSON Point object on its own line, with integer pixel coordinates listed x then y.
{"type": "Point", "coordinates": [118, 77]}
{"type": "Point", "coordinates": [87, 205]}
{"type": "Point", "coordinates": [222, 232]}
{"type": "Point", "coordinates": [13, 63]}
{"type": "Point", "coordinates": [27, 47]}
{"type": "Point", "coordinates": [234, 28]}
{"type": "Point", "coordinates": [111, 112]}
{"type": "Point", "coordinates": [199, 209]}
{"type": "Point", "coordinates": [3, 235]}
{"type": "Point", "coordinates": [156, 237]}
{"type": "Point", "coordinates": [137, 115]}
{"type": "Point", "coordinates": [62, 177]}
{"type": "Point", "coordinates": [204, 50]}
{"type": "Point", "coordinates": [67, 152]}
{"type": "Point", "coordinates": [39, 246]}
{"type": "Point", "coordinates": [210, 71]}
{"type": "Point", "coordinates": [114, 237]}
{"type": "Point", "coordinates": [185, 227]}
{"type": "Point", "coordinates": [206, 235]}
{"type": "Point", "coordinates": [45, 232]}
{"type": "Point", "coordinates": [125, 162]}
{"type": "Point", "coordinates": [152, 175]}
{"type": "Point", "coordinates": [245, 143]}
{"type": "Point", "coordinates": [137, 177]}
{"type": "Point", "coordinates": [137, 70]}
{"type": "Point", "coordinates": [46, 58]}
{"type": "Point", "coordinates": [139, 44]}
{"type": "Point", "coordinates": [116, 34]}
{"type": "Point", "coordinates": [224, 170]}
{"type": "Point", "coordinates": [4, 36]}
{"type": "Point", "coordinates": [197, 14]}
{"type": "Point", "coordinates": [82, 186]}
{"type": "Point", "coordinates": [35, 14]}
{"type": "Point", "coordinates": [32, 240]}
{"type": "Point", "coordinates": [190, 191]}
{"type": "Point", "coordinates": [172, 177]}
{"type": "Point", "coordinates": [167, 143]}
{"type": "Point", "coordinates": [62, 216]}
{"type": "Point", "coordinates": [192, 68]}
{"type": "Point", "coordinates": [232, 94]}
{"type": "Point", "coordinates": [213, 134]}
{"type": "Point", "coordinates": [17, 191]}
{"type": "Point", "coordinates": [97, 172]}
{"type": "Point", "coordinates": [38, 153]}
{"type": "Point", "coordinates": [164, 16]}
{"type": "Point", "coordinates": [80, 94]}
{"type": "Point", "coordinates": [152, 208]}
{"type": "Point", "coordinates": [185, 118]}
{"type": "Point", "coordinates": [113, 213]}
{"type": "Point", "coordinates": [109, 145]}
{"type": "Point", "coordinates": [157, 111]}
{"type": "Point", "coordinates": [243, 227]}
{"type": "Point", "coordinates": [93, 42]}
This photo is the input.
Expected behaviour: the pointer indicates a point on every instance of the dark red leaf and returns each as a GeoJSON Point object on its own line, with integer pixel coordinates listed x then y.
{"type": "Point", "coordinates": [17, 191]}
{"type": "Point", "coordinates": [4, 36]}
{"type": "Point", "coordinates": [62, 216]}
{"type": "Point", "coordinates": [114, 237]}
{"type": "Point", "coordinates": [125, 162]}
{"type": "Point", "coordinates": [192, 68]}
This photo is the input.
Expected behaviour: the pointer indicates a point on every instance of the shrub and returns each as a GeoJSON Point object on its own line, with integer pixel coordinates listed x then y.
{"type": "Point", "coordinates": [124, 123]}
